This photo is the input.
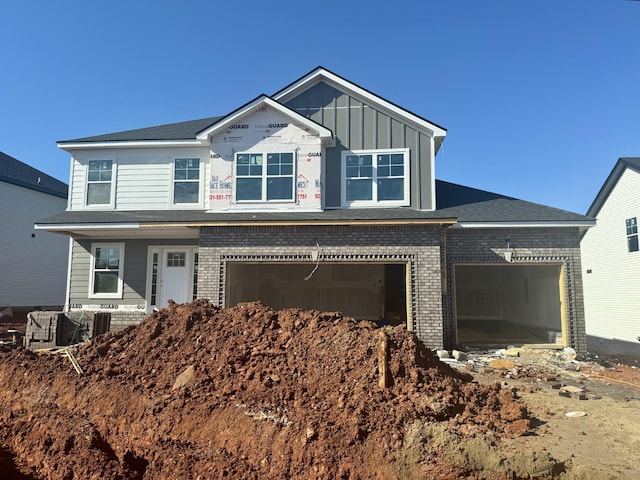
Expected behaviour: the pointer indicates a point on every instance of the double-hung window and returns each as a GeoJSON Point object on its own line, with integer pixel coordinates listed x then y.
{"type": "Point", "coordinates": [106, 270]}
{"type": "Point", "coordinates": [632, 234]}
{"type": "Point", "coordinates": [186, 180]}
{"type": "Point", "coordinates": [375, 177]}
{"type": "Point", "coordinates": [99, 177]}
{"type": "Point", "coordinates": [265, 177]}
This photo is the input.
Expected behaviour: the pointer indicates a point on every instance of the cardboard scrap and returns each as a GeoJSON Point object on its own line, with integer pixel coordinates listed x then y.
{"type": "Point", "coordinates": [502, 364]}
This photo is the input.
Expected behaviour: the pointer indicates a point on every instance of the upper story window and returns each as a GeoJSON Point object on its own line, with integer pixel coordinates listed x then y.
{"type": "Point", "coordinates": [260, 182]}
{"type": "Point", "coordinates": [186, 180]}
{"type": "Point", "coordinates": [375, 177]}
{"type": "Point", "coordinates": [99, 179]}
{"type": "Point", "coordinates": [106, 270]}
{"type": "Point", "coordinates": [632, 234]}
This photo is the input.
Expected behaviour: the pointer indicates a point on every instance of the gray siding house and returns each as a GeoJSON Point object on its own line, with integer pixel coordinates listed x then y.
{"type": "Point", "coordinates": [33, 267]}
{"type": "Point", "coordinates": [611, 263]}
{"type": "Point", "coordinates": [322, 195]}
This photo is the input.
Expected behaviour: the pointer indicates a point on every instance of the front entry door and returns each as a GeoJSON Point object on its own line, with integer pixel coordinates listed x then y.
{"type": "Point", "coordinates": [174, 276]}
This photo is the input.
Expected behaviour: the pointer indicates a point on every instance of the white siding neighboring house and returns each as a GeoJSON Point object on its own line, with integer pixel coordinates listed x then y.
{"type": "Point", "coordinates": [611, 263]}
{"type": "Point", "coordinates": [33, 267]}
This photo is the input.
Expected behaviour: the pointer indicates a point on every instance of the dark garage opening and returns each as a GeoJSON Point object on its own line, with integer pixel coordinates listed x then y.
{"type": "Point", "coordinates": [502, 305]}
{"type": "Point", "coordinates": [370, 291]}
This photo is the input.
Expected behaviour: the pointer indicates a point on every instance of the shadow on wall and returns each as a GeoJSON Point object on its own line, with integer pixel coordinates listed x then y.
{"type": "Point", "coordinates": [606, 346]}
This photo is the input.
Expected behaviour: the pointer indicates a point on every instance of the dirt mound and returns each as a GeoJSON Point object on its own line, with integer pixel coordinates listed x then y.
{"type": "Point", "coordinates": [196, 391]}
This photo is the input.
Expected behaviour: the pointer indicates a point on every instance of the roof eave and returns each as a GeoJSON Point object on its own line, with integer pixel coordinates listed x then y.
{"type": "Point", "coordinates": [528, 224]}
{"type": "Point", "coordinates": [72, 146]}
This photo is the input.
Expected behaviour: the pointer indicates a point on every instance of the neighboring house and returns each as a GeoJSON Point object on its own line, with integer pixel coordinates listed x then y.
{"type": "Point", "coordinates": [33, 268]}
{"type": "Point", "coordinates": [611, 263]}
{"type": "Point", "coordinates": [321, 196]}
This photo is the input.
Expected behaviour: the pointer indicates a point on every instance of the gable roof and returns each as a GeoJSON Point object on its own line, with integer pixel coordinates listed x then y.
{"type": "Point", "coordinates": [324, 133]}
{"type": "Point", "coordinates": [321, 74]}
{"type": "Point", "coordinates": [609, 184]}
{"type": "Point", "coordinates": [191, 132]}
{"type": "Point", "coordinates": [15, 172]}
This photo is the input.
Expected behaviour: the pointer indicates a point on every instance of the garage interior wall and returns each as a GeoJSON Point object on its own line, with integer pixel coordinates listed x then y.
{"type": "Point", "coordinates": [513, 303]}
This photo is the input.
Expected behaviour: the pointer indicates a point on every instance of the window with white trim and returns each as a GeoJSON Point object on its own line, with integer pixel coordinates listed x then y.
{"type": "Point", "coordinates": [186, 180]}
{"type": "Point", "coordinates": [106, 270]}
{"type": "Point", "coordinates": [375, 177]}
{"type": "Point", "coordinates": [260, 181]}
{"type": "Point", "coordinates": [632, 234]}
{"type": "Point", "coordinates": [99, 177]}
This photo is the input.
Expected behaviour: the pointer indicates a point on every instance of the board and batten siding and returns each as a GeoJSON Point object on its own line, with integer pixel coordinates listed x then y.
{"type": "Point", "coordinates": [33, 269]}
{"type": "Point", "coordinates": [143, 178]}
{"type": "Point", "coordinates": [359, 126]}
{"type": "Point", "coordinates": [611, 272]}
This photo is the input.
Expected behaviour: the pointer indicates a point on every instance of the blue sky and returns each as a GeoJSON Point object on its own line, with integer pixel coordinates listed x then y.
{"type": "Point", "coordinates": [539, 98]}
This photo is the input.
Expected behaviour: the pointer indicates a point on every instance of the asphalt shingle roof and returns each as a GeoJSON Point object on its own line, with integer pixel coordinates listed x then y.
{"type": "Point", "coordinates": [171, 131]}
{"type": "Point", "coordinates": [462, 203]}
{"type": "Point", "coordinates": [472, 205]}
{"type": "Point", "coordinates": [18, 173]}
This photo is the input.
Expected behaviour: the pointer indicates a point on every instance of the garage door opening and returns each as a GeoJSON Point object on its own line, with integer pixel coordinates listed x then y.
{"type": "Point", "coordinates": [367, 291]}
{"type": "Point", "coordinates": [501, 305]}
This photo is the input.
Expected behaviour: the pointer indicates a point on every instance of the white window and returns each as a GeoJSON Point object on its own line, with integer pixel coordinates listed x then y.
{"type": "Point", "coordinates": [186, 180]}
{"type": "Point", "coordinates": [632, 234]}
{"type": "Point", "coordinates": [99, 178]}
{"type": "Point", "coordinates": [375, 177]}
{"type": "Point", "coordinates": [259, 182]}
{"type": "Point", "coordinates": [106, 270]}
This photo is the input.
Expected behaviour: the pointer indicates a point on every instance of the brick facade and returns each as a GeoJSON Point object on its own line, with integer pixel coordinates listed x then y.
{"type": "Point", "coordinates": [537, 246]}
{"type": "Point", "coordinates": [416, 246]}
{"type": "Point", "coordinates": [429, 251]}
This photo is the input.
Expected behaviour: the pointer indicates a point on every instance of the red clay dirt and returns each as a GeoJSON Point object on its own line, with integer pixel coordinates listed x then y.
{"type": "Point", "coordinates": [247, 392]}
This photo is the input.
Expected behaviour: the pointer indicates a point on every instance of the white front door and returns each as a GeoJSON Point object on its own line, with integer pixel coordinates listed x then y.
{"type": "Point", "coordinates": [175, 275]}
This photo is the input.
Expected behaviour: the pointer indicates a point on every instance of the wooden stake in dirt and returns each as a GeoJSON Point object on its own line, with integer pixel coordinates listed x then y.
{"type": "Point", "coordinates": [384, 380]}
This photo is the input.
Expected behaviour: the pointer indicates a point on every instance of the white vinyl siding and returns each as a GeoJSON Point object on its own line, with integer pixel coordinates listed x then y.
{"type": "Point", "coordinates": [611, 274]}
{"type": "Point", "coordinates": [143, 184]}
{"type": "Point", "coordinates": [34, 268]}
{"type": "Point", "coordinates": [143, 178]}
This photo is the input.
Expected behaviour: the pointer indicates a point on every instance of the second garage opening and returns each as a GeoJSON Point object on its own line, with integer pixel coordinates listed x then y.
{"type": "Point", "coordinates": [501, 305]}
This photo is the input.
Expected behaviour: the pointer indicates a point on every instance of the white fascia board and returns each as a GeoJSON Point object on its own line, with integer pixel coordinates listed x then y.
{"type": "Point", "coordinates": [325, 134]}
{"type": "Point", "coordinates": [71, 146]}
{"type": "Point", "coordinates": [85, 226]}
{"type": "Point", "coordinates": [319, 74]}
{"type": "Point", "coordinates": [582, 224]}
